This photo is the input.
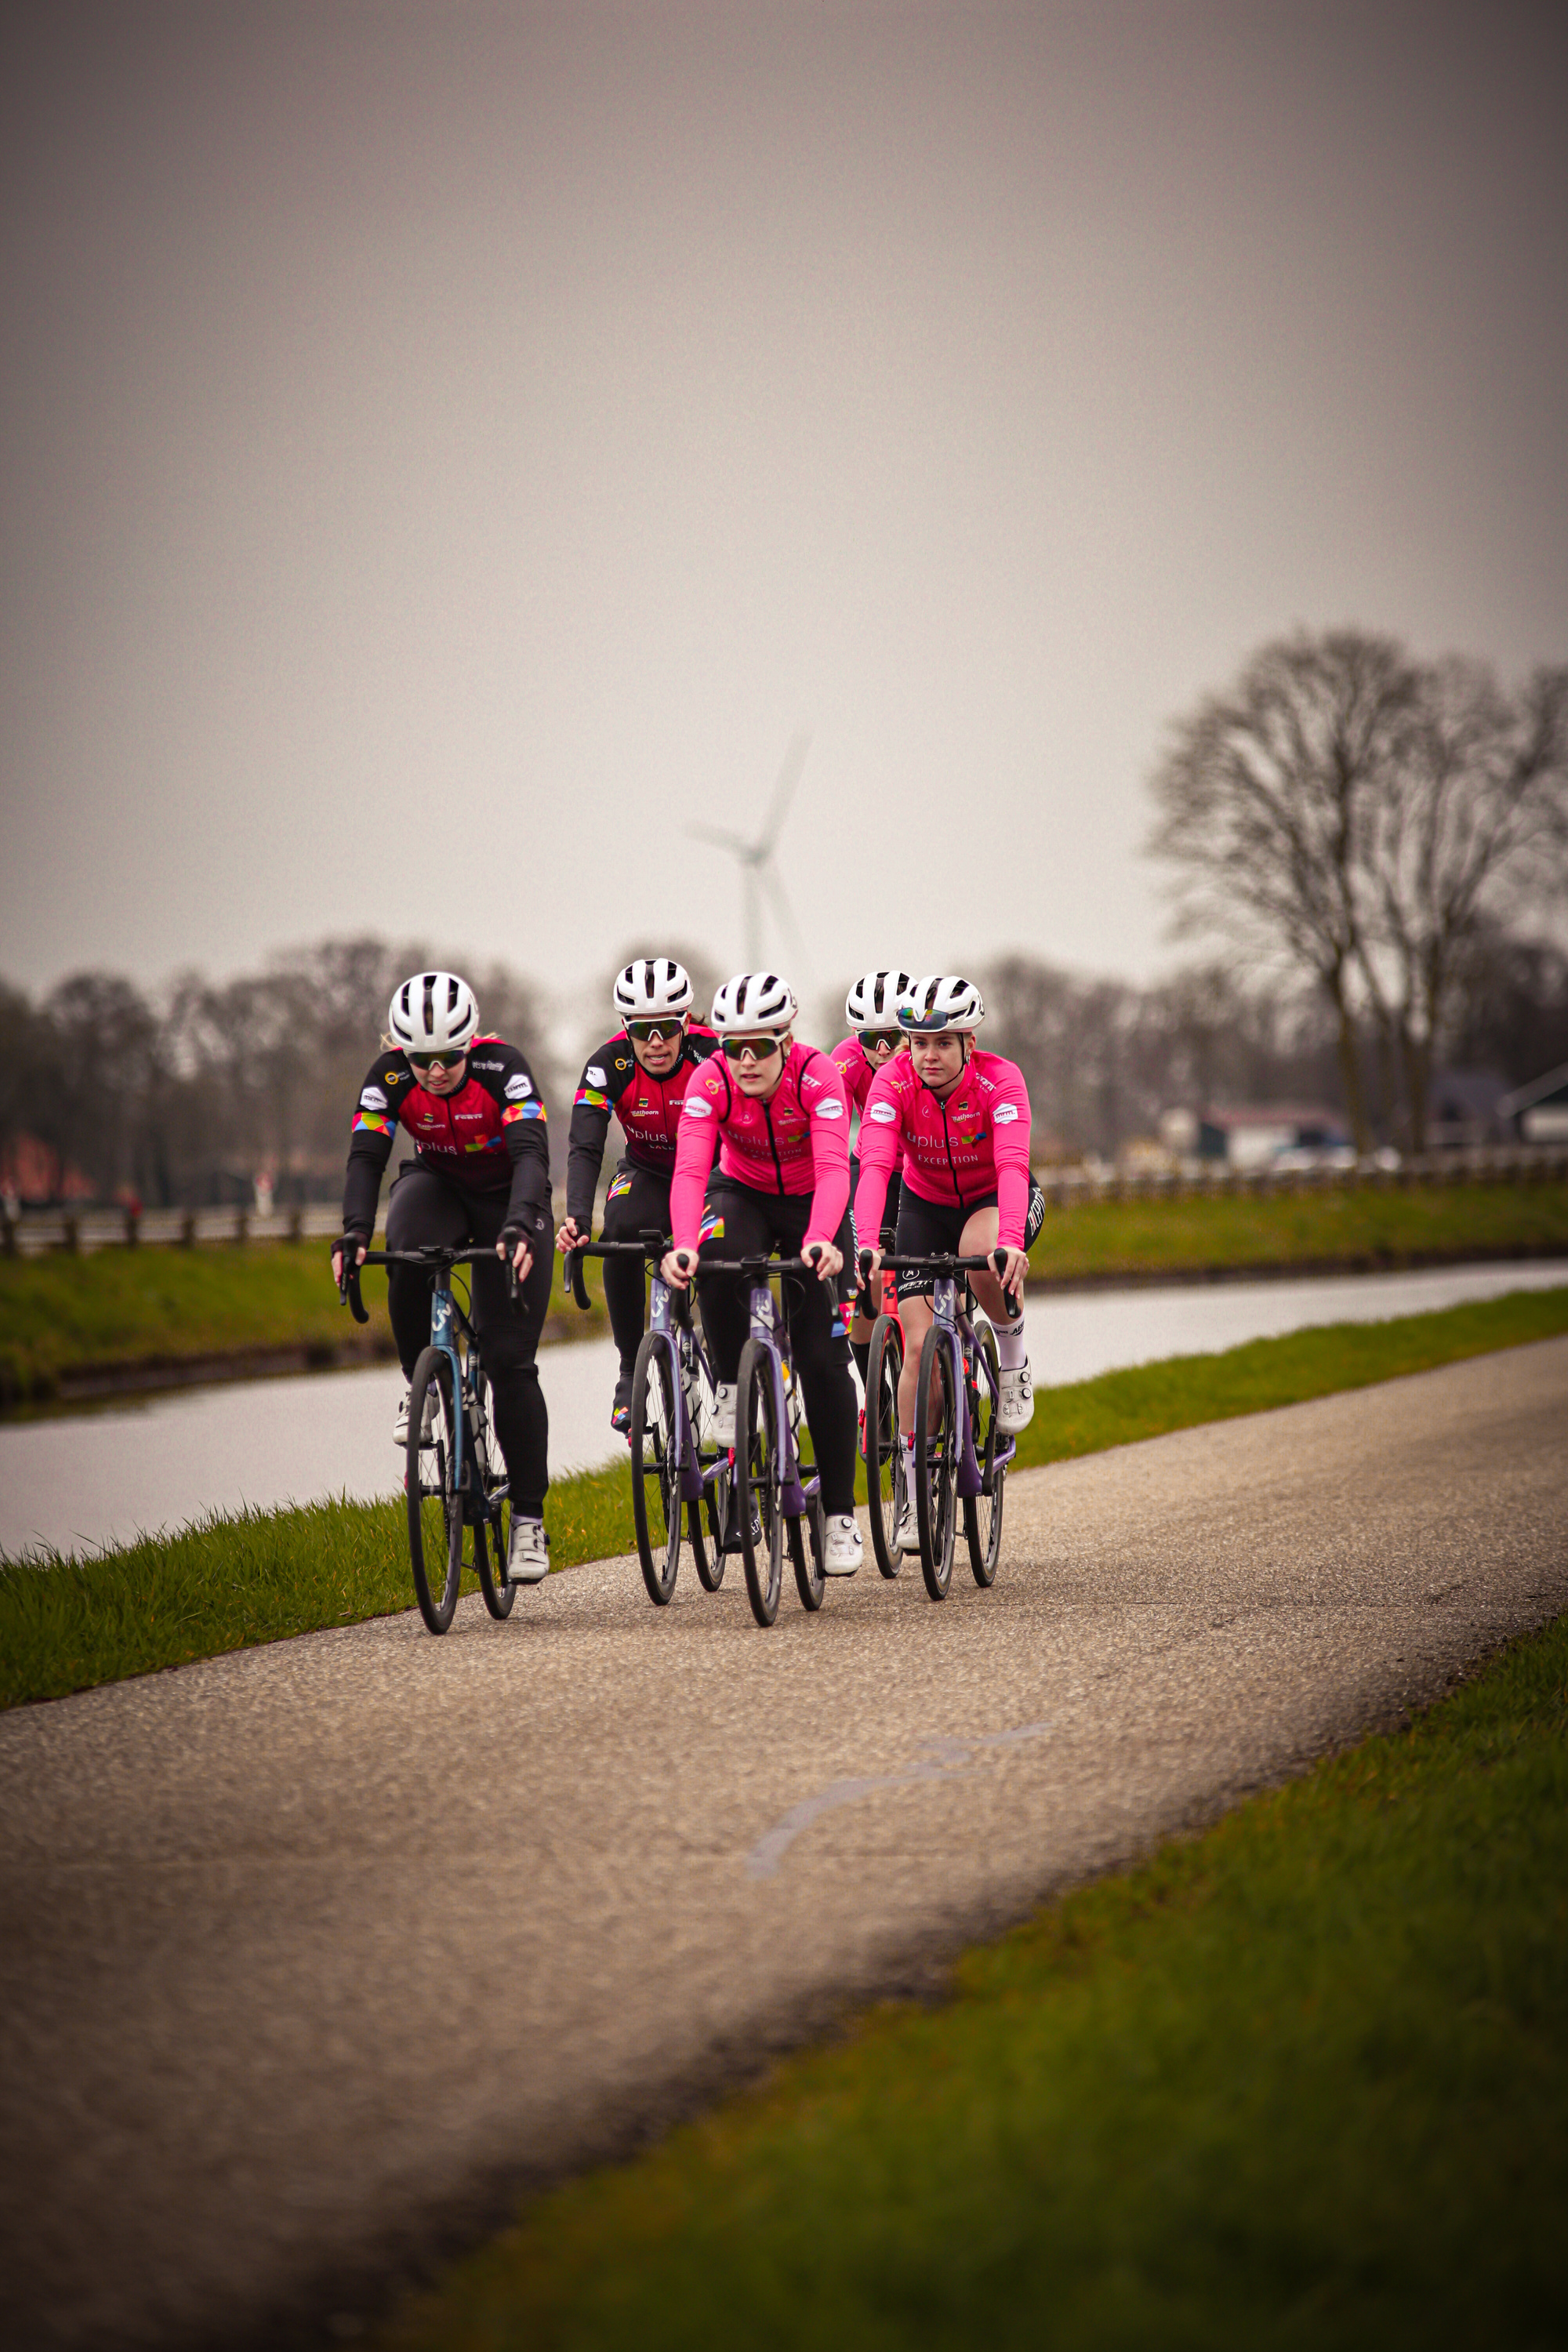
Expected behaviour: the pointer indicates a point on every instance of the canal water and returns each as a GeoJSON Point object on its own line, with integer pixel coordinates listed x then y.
{"type": "Point", "coordinates": [96, 1476]}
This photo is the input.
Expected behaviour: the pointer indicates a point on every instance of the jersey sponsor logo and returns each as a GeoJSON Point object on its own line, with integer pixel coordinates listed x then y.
{"type": "Point", "coordinates": [370, 1121]}
{"type": "Point", "coordinates": [373, 1099]}
{"type": "Point", "coordinates": [695, 1107]}
{"type": "Point", "coordinates": [482, 1143]}
{"type": "Point", "coordinates": [514, 1111]}
{"type": "Point", "coordinates": [495, 1067]}
{"type": "Point", "coordinates": [593, 1076]}
{"type": "Point", "coordinates": [711, 1229]}
{"type": "Point", "coordinates": [394, 1077]}
{"type": "Point", "coordinates": [1004, 1114]}
{"type": "Point", "coordinates": [519, 1086]}
{"type": "Point", "coordinates": [619, 1185]}
{"type": "Point", "coordinates": [885, 1113]}
{"type": "Point", "coordinates": [830, 1107]}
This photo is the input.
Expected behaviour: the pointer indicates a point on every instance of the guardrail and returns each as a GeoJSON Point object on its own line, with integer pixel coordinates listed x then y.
{"type": "Point", "coordinates": [38, 1230]}
{"type": "Point", "coordinates": [1500, 1164]}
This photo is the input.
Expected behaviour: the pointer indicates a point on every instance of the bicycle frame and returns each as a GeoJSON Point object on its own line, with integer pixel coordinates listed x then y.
{"type": "Point", "coordinates": [670, 1317]}
{"type": "Point", "coordinates": [969, 1358]}
{"type": "Point", "coordinates": [448, 1322]}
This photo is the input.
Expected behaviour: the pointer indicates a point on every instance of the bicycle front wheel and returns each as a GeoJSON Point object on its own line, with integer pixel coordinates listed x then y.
{"type": "Point", "coordinates": [807, 1544]}
{"type": "Point", "coordinates": [435, 1505]}
{"type": "Point", "coordinates": [705, 1527]}
{"type": "Point", "coordinates": [656, 1474]}
{"type": "Point", "coordinates": [759, 1465]}
{"type": "Point", "coordinates": [936, 1462]}
{"type": "Point", "coordinates": [491, 1548]}
{"type": "Point", "coordinates": [982, 1512]}
{"type": "Point", "coordinates": [884, 1449]}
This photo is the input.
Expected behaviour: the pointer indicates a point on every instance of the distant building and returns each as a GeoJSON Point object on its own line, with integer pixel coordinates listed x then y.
{"type": "Point", "coordinates": [1465, 1106]}
{"type": "Point", "coordinates": [1538, 1112]}
{"type": "Point", "coordinates": [1254, 1135]}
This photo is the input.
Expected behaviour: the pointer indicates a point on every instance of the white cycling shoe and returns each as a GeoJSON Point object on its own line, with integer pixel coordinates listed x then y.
{"type": "Point", "coordinates": [722, 1426]}
{"type": "Point", "coordinates": [1015, 1406]}
{"type": "Point", "coordinates": [400, 1419]}
{"type": "Point", "coordinates": [845, 1550]}
{"type": "Point", "coordinates": [906, 1530]}
{"type": "Point", "coordinates": [528, 1555]}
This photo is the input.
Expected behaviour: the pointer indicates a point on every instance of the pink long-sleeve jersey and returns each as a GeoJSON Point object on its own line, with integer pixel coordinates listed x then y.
{"type": "Point", "coordinates": [797, 1142]}
{"type": "Point", "coordinates": [956, 1147]}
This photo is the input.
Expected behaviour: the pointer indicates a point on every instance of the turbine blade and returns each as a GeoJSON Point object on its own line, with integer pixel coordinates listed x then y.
{"type": "Point", "coordinates": [784, 914]}
{"type": "Point", "coordinates": [784, 791]}
{"type": "Point", "coordinates": [722, 840]}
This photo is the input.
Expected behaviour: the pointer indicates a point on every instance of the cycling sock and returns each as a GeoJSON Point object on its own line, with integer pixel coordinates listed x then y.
{"type": "Point", "coordinates": [861, 1351]}
{"type": "Point", "coordinates": [1010, 1351]}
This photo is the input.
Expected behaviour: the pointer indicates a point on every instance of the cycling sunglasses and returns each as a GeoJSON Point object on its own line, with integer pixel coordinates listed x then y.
{"type": "Point", "coordinates": [872, 1038]}
{"type": "Point", "coordinates": [747, 1049]}
{"type": "Point", "coordinates": [447, 1061]}
{"type": "Point", "coordinates": [654, 1033]}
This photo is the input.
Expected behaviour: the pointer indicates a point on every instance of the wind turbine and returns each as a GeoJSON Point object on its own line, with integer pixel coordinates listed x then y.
{"type": "Point", "coordinates": [755, 860]}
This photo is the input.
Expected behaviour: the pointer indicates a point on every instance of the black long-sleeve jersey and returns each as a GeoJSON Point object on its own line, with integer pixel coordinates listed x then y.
{"type": "Point", "coordinates": [489, 1137]}
{"type": "Point", "coordinates": [647, 1108]}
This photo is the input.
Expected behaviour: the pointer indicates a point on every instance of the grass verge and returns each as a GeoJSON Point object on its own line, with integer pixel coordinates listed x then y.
{"type": "Point", "coordinates": [125, 1308]}
{"type": "Point", "coordinates": [67, 1622]}
{"type": "Point", "coordinates": [1303, 2081]}
{"type": "Point", "coordinates": [1365, 1227]}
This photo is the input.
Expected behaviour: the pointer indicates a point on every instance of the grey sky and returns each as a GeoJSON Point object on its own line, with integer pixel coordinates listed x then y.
{"type": "Point", "coordinates": [448, 450]}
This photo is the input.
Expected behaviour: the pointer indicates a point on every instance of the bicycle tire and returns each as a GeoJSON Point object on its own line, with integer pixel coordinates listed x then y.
{"type": "Point", "coordinates": [807, 1543]}
{"type": "Point", "coordinates": [493, 1529]}
{"type": "Point", "coordinates": [435, 1505]}
{"type": "Point", "coordinates": [982, 1512]}
{"type": "Point", "coordinates": [936, 1462]}
{"type": "Point", "coordinates": [759, 1465]}
{"type": "Point", "coordinates": [652, 1436]}
{"type": "Point", "coordinates": [705, 1527]}
{"type": "Point", "coordinates": [884, 1448]}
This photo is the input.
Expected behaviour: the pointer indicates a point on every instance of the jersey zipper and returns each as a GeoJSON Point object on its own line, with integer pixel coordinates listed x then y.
{"type": "Point", "coordinates": [947, 1145]}
{"type": "Point", "coordinates": [773, 1147]}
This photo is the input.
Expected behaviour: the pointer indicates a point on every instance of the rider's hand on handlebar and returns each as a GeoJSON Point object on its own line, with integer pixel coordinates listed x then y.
{"type": "Point", "coordinates": [337, 1257]}
{"type": "Point", "coordinates": [824, 1259]}
{"type": "Point", "coordinates": [1015, 1267]}
{"type": "Point", "coordinates": [676, 1268]}
{"type": "Point", "coordinates": [568, 1238]}
{"type": "Point", "coordinates": [869, 1264]}
{"type": "Point", "coordinates": [513, 1242]}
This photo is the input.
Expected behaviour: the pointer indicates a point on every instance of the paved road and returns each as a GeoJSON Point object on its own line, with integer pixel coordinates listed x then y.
{"type": "Point", "coordinates": [308, 1950]}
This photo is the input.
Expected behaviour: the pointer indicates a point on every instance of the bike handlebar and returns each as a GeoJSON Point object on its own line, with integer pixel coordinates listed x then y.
{"type": "Point", "coordinates": [434, 1258]}
{"type": "Point", "coordinates": [989, 1262]}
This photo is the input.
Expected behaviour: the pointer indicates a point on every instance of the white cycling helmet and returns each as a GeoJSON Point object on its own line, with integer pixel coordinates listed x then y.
{"type": "Point", "coordinates": [940, 1001]}
{"type": "Point", "coordinates": [653, 985]}
{"type": "Point", "coordinates": [434, 1012]}
{"type": "Point", "coordinates": [753, 1001]}
{"type": "Point", "coordinates": [872, 1002]}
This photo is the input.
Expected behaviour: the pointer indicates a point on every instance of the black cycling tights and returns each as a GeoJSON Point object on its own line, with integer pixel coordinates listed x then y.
{"type": "Point", "coordinates": [753, 1222]}
{"type": "Point", "coordinates": [637, 1202]}
{"type": "Point", "coordinates": [423, 1208]}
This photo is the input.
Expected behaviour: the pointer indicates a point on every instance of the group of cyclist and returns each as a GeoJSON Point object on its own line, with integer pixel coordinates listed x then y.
{"type": "Point", "coordinates": [943, 1168]}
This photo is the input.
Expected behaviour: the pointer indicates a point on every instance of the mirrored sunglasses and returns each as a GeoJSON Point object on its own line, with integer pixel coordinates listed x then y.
{"type": "Point", "coordinates": [750, 1049]}
{"type": "Point", "coordinates": [448, 1061]}
{"type": "Point", "coordinates": [654, 1033]}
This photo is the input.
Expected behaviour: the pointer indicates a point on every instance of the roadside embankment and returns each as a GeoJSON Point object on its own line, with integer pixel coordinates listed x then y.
{"type": "Point", "coordinates": [69, 1623]}
{"type": "Point", "coordinates": [123, 1320]}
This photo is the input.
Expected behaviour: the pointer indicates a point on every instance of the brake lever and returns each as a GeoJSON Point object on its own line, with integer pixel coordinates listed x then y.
{"type": "Point", "coordinates": [349, 1290]}
{"type": "Point", "coordinates": [574, 1282]}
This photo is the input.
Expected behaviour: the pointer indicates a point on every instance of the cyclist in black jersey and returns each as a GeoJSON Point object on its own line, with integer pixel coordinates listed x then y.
{"type": "Point", "coordinates": [641, 1074]}
{"type": "Point", "coordinates": [479, 1175]}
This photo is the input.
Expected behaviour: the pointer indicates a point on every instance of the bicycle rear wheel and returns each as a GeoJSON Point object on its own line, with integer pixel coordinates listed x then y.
{"type": "Point", "coordinates": [884, 1452]}
{"type": "Point", "coordinates": [656, 1474]}
{"type": "Point", "coordinates": [807, 1542]}
{"type": "Point", "coordinates": [705, 1527]}
{"type": "Point", "coordinates": [982, 1512]}
{"type": "Point", "coordinates": [936, 1462]}
{"type": "Point", "coordinates": [435, 1505]}
{"type": "Point", "coordinates": [759, 1463]}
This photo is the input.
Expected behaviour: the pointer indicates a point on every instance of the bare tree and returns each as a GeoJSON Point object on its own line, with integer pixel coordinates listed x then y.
{"type": "Point", "coordinates": [1266, 796]}
{"type": "Point", "coordinates": [1469, 824]}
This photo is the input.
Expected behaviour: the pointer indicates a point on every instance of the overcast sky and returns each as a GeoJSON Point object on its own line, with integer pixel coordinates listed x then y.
{"type": "Point", "coordinates": [448, 450]}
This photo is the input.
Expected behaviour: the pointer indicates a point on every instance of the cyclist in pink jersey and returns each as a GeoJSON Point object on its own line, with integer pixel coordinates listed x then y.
{"type": "Point", "coordinates": [871, 1009]}
{"type": "Point", "coordinates": [961, 1118]}
{"type": "Point", "coordinates": [779, 1115]}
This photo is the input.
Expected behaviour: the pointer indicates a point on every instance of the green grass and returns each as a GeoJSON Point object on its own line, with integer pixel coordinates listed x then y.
{"type": "Point", "coordinates": [1364, 1228]}
{"type": "Point", "coordinates": [1300, 2082]}
{"type": "Point", "coordinates": [69, 1623]}
{"type": "Point", "coordinates": [122, 1308]}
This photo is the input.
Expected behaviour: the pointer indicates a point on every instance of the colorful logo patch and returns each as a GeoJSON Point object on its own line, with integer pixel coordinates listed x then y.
{"type": "Point", "coordinates": [372, 1121]}
{"type": "Point", "coordinates": [522, 1110]}
{"type": "Point", "coordinates": [619, 1185]}
{"type": "Point", "coordinates": [711, 1229]}
{"type": "Point", "coordinates": [593, 1098]}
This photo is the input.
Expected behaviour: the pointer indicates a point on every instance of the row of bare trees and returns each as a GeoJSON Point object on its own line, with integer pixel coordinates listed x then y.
{"type": "Point", "coordinates": [185, 1097]}
{"type": "Point", "coordinates": [1371, 823]}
